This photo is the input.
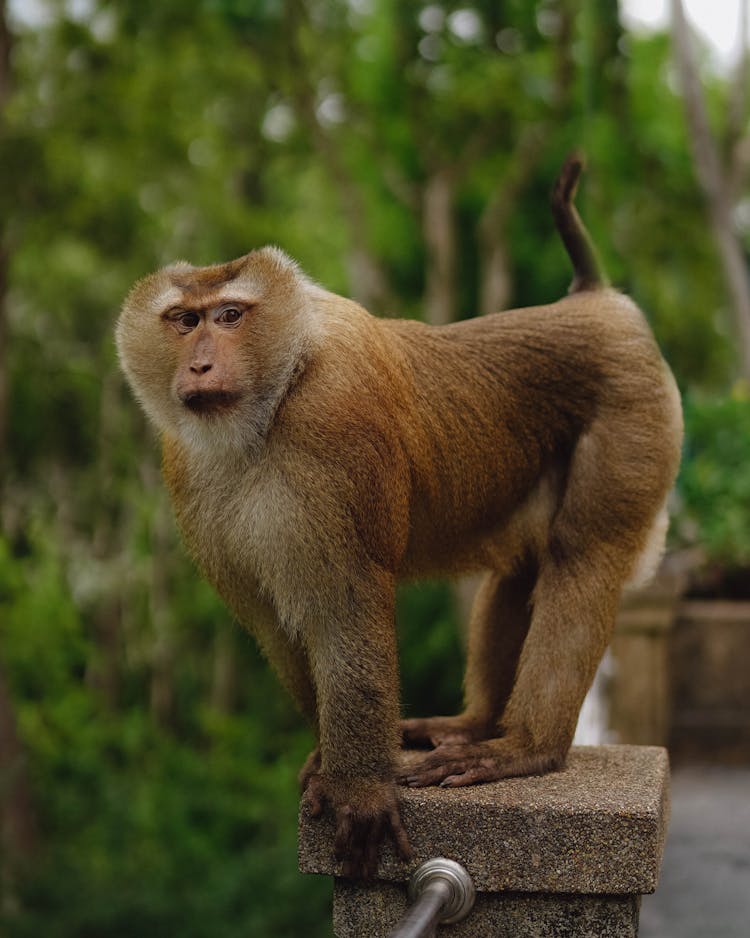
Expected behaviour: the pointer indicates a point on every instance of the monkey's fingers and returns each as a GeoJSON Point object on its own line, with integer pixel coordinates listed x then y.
{"type": "Point", "coordinates": [483, 771]}
{"type": "Point", "coordinates": [357, 842]}
{"type": "Point", "coordinates": [426, 775]}
{"type": "Point", "coordinates": [454, 766]}
{"type": "Point", "coordinates": [447, 761]}
{"type": "Point", "coordinates": [399, 835]}
{"type": "Point", "coordinates": [372, 838]}
{"type": "Point", "coordinates": [428, 771]}
{"type": "Point", "coordinates": [360, 843]}
{"type": "Point", "coordinates": [344, 843]}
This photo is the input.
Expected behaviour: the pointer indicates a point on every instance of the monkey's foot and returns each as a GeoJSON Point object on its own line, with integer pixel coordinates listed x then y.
{"type": "Point", "coordinates": [310, 767]}
{"type": "Point", "coordinates": [452, 765]}
{"type": "Point", "coordinates": [365, 812]}
{"type": "Point", "coordinates": [430, 732]}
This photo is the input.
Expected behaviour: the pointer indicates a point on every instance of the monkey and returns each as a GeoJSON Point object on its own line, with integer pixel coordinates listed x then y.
{"type": "Point", "coordinates": [316, 455]}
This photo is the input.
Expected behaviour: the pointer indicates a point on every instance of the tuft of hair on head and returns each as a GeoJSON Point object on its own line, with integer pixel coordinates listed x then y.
{"type": "Point", "coordinates": [274, 262]}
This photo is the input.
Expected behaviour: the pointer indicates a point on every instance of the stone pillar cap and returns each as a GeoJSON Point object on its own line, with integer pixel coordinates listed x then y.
{"type": "Point", "coordinates": [598, 826]}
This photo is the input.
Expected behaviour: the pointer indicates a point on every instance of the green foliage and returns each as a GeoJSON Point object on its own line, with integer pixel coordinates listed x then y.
{"type": "Point", "coordinates": [147, 832]}
{"type": "Point", "coordinates": [714, 482]}
{"type": "Point", "coordinates": [153, 837]}
{"type": "Point", "coordinates": [431, 653]}
{"type": "Point", "coordinates": [140, 132]}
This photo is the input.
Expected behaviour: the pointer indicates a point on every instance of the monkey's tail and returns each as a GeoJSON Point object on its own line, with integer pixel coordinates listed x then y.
{"type": "Point", "coordinates": [588, 272]}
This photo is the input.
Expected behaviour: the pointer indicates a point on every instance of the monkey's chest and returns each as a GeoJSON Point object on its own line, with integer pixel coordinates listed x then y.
{"type": "Point", "coordinates": [259, 543]}
{"type": "Point", "coordinates": [221, 529]}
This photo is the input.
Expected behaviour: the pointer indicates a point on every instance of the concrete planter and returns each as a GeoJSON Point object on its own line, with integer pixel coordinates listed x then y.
{"type": "Point", "coordinates": [709, 655]}
{"type": "Point", "coordinates": [681, 674]}
{"type": "Point", "coordinates": [640, 689]}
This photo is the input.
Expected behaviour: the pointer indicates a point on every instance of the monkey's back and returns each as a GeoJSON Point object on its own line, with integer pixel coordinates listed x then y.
{"type": "Point", "coordinates": [512, 394]}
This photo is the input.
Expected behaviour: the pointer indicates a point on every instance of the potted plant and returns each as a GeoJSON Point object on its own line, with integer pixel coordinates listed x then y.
{"type": "Point", "coordinates": [710, 641]}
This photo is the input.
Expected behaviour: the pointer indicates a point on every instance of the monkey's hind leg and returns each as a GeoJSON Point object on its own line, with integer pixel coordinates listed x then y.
{"type": "Point", "coordinates": [574, 606]}
{"type": "Point", "coordinates": [499, 624]}
{"type": "Point", "coordinates": [592, 548]}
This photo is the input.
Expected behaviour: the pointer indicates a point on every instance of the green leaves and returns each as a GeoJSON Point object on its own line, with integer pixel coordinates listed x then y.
{"type": "Point", "coordinates": [141, 132]}
{"type": "Point", "coordinates": [714, 481]}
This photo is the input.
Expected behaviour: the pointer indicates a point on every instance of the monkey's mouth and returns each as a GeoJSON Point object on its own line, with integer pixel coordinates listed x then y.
{"type": "Point", "coordinates": [210, 402]}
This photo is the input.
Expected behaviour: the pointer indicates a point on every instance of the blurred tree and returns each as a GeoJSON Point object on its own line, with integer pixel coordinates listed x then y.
{"type": "Point", "coordinates": [402, 151]}
{"type": "Point", "coordinates": [18, 821]}
{"type": "Point", "coordinates": [5, 81]}
{"type": "Point", "coordinates": [722, 186]}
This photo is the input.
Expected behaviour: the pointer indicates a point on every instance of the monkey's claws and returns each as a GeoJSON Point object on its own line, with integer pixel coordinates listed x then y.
{"type": "Point", "coordinates": [453, 766]}
{"type": "Point", "coordinates": [365, 813]}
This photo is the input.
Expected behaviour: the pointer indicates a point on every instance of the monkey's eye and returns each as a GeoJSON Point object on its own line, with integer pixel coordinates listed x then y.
{"type": "Point", "coordinates": [186, 322]}
{"type": "Point", "coordinates": [229, 315]}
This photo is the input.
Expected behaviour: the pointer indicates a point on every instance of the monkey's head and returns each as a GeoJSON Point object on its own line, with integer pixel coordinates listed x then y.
{"type": "Point", "coordinates": [210, 351]}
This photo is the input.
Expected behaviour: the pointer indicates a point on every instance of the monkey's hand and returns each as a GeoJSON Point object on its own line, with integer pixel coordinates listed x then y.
{"type": "Point", "coordinates": [365, 812]}
{"type": "Point", "coordinates": [430, 732]}
{"type": "Point", "coordinates": [455, 765]}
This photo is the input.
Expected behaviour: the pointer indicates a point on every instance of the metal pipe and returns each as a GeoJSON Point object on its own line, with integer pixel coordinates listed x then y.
{"type": "Point", "coordinates": [441, 892]}
{"type": "Point", "coordinates": [420, 919]}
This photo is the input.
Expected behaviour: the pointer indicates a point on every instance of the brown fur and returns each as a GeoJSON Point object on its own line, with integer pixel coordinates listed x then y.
{"type": "Point", "coordinates": [337, 453]}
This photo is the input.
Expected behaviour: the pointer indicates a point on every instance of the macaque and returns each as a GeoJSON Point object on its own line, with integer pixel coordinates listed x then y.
{"type": "Point", "coordinates": [315, 455]}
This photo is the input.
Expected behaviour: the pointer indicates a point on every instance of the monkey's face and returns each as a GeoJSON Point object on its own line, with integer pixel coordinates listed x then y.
{"type": "Point", "coordinates": [209, 351]}
{"type": "Point", "coordinates": [209, 375]}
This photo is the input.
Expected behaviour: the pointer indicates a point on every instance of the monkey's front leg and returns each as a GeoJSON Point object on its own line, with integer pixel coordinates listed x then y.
{"type": "Point", "coordinates": [354, 668]}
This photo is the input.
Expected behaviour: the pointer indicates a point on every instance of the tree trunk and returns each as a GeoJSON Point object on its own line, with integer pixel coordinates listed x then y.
{"type": "Point", "coordinates": [224, 682]}
{"type": "Point", "coordinates": [160, 606]}
{"type": "Point", "coordinates": [439, 231]}
{"type": "Point", "coordinates": [103, 672]}
{"type": "Point", "coordinates": [738, 92]}
{"type": "Point", "coordinates": [495, 277]}
{"type": "Point", "coordinates": [107, 541]}
{"type": "Point", "coordinates": [368, 283]}
{"type": "Point", "coordinates": [5, 86]}
{"type": "Point", "coordinates": [712, 180]}
{"type": "Point", "coordinates": [368, 280]}
{"type": "Point", "coordinates": [18, 825]}
{"type": "Point", "coordinates": [162, 673]}
{"type": "Point", "coordinates": [3, 367]}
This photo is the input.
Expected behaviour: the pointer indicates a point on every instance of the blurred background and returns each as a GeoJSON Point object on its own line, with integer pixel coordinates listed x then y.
{"type": "Point", "coordinates": [403, 152]}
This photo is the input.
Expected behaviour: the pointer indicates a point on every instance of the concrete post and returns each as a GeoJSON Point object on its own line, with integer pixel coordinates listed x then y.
{"type": "Point", "coordinates": [569, 853]}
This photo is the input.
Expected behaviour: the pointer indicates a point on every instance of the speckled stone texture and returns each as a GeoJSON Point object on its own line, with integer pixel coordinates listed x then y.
{"type": "Point", "coordinates": [362, 912]}
{"type": "Point", "coordinates": [563, 854]}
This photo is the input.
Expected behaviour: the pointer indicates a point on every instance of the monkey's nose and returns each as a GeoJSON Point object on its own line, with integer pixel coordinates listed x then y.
{"type": "Point", "coordinates": [200, 368]}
